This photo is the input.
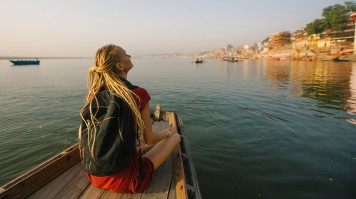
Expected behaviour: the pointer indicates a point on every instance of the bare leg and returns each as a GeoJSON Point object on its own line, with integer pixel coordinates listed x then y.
{"type": "Point", "coordinates": [162, 150]}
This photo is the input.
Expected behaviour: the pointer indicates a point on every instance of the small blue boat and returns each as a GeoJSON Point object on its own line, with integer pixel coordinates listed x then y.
{"type": "Point", "coordinates": [25, 62]}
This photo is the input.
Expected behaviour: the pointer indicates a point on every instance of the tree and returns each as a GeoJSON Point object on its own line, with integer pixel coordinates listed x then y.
{"type": "Point", "coordinates": [350, 6]}
{"type": "Point", "coordinates": [229, 47]}
{"type": "Point", "coordinates": [254, 47]}
{"type": "Point", "coordinates": [335, 17]}
{"type": "Point", "coordinates": [315, 27]}
{"type": "Point", "coordinates": [265, 40]}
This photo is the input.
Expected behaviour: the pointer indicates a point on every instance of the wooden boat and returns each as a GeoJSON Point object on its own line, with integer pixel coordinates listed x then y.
{"type": "Point", "coordinates": [198, 61]}
{"type": "Point", "coordinates": [25, 62]}
{"type": "Point", "coordinates": [63, 176]}
{"type": "Point", "coordinates": [232, 59]}
{"type": "Point", "coordinates": [347, 58]}
{"type": "Point", "coordinates": [329, 57]}
{"type": "Point", "coordinates": [337, 59]}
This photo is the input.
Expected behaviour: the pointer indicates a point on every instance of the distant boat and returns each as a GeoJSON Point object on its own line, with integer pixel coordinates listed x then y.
{"type": "Point", "coordinates": [232, 59]}
{"type": "Point", "coordinates": [25, 62]}
{"type": "Point", "coordinates": [337, 59]}
{"type": "Point", "coordinates": [198, 61]}
{"type": "Point", "coordinates": [350, 57]}
{"type": "Point", "coordinates": [329, 57]}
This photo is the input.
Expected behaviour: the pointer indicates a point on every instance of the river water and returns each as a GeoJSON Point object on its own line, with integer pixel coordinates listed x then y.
{"type": "Point", "coordinates": [256, 128]}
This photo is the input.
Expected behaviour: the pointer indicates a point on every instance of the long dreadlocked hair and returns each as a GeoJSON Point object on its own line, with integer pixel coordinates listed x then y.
{"type": "Point", "coordinates": [105, 72]}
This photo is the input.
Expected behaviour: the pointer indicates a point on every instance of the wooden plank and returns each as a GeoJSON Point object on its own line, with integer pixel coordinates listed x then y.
{"type": "Point", "coordinates": [172, 190]}
{"type": "Point", "coordinates": [52, 188]}
{"type": "Point", "coordinates": [110, 195]}
{"type": "Point", "coordinates": [131, 196]}
{"type": "Point", "coordinates": [91, 192]}
{"type": "Point", "coordinates": [176, 167]}
{"type": "Point", "coordinates": [181, 189]}
{"type": "Point", "coordinates": [159, 126]}
{"type": "Point", "coordinates": [160, 184]}
{"type": "Point", "coordinates": [34, 179]}
{"type": "Point", "coordinates": [74, 187]}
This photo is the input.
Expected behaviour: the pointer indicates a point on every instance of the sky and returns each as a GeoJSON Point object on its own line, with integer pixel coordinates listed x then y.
{"type": "Point", "coordinates": [77, 28]}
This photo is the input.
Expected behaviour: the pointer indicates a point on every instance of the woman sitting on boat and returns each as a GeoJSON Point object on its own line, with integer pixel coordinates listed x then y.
{"type": "Point", "coordinates": [114, 113]}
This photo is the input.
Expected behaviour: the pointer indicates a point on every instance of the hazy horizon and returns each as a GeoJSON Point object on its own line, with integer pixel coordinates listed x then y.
{"type": "Point", "coordinates": [66, 28]}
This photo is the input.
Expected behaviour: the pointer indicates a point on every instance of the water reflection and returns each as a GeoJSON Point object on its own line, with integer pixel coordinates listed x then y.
{"type": "Point", "coordinates": [351, 102]}
{"type": "Point", "coordinates": [332, 84]}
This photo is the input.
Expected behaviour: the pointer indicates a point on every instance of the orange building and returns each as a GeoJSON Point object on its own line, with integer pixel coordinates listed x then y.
{"type": "Point", "coordinates": [279, 40]}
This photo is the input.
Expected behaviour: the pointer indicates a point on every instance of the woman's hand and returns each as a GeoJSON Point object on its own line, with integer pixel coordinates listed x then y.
{"type": "Point", "coordinates": [170, 131]}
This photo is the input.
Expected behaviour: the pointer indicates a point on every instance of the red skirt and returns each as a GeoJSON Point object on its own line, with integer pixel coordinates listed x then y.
{"type": "Point", "coordinates": [126, 181]}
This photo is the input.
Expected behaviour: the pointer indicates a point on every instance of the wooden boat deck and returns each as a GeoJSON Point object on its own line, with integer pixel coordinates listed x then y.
{"type": "Point", "coordinates": [175, 178]}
